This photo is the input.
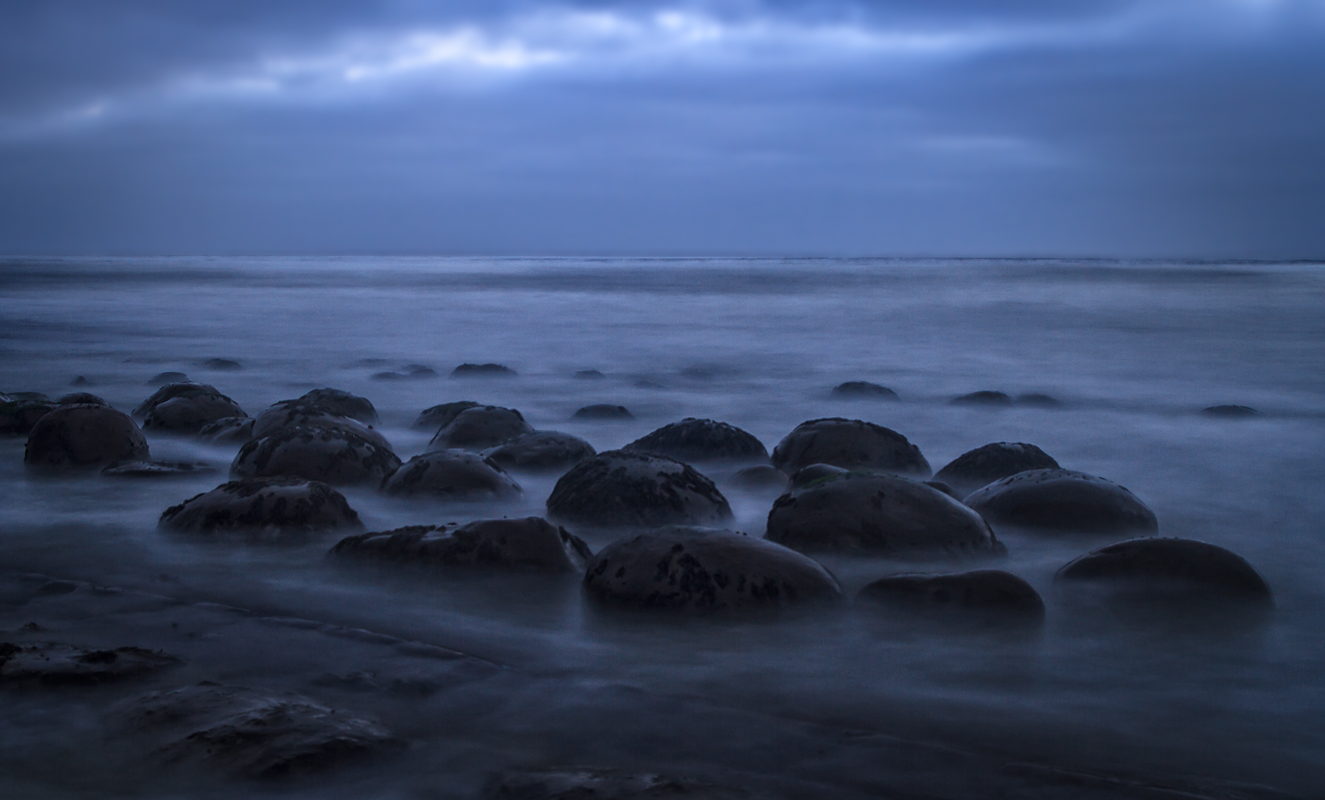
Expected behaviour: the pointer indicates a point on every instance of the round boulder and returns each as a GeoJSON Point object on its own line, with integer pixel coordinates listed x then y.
{"type": "Point", "coordinates": [294, 413]}
{"type": "Point", "coordinates": [982, 398]}
{"type": "Point", "coordinates": [156, 469]}
{"type": "Point", "coordinates": [316, 453]}
{"type": "Point", "coordinates": [483, 371]}
{"type": "Point", "coordinates": [1062, 500]}
{"type": "Point", "coordinates": [163, 378]}
{"type": "Point", "coordinates": [984, 465]}
{"type": "Point", "coordinates": [529, 544]}
{"type": "Point", "coordinates": [985, 596]}
{"type": "Point", "coordinates": [875, 514]}
{"type": "Point", "coordinates": [451, 475]}
{"type": "Point", "coordinates": [228, 430]}
{"type": "Point", "coordinates": [1184, 571]}
{"type": "Point", "coordinates": [761, 478]}
{"type": "Point", "coordinates": [17, 417]}
{"type": "Point", "coordinates": [1231, 412]}
{"type": "Point", "coordinates": [81, 398]}
{"type": "Point", "coordinates": [603, 411]}
{"type": "Point", "coordinates": [849, 444]}
{"type": "Point", "coordinates": [863, 390]}
{"type": "Point", "coordinates": [438, 417]}
{"type": "Point", "coordinates": [83, 436]}
{"type": "Point", "coordinates": [624, 489]}
{"type": "Point", "coordinates": [479, 428]}
{"type": "Point", "coordinates": [540, 451]}
{"type": "Point", "coordinates": [340, 404]}
{"type": "Point", "coordinates": [701, 440]}
{"type": "Point", "coordinates": [689, 569]}
{"type": "Point", "coordinates": [171, 391]}
{"type": "Point", "coordinates": [191, 413]}
{"type": "Point", "coordinates": [263, 508]}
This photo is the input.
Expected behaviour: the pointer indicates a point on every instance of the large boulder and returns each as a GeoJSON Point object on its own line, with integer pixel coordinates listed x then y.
{"type": "Point", "coordinates": [190, 414]}
{"type": "Point", "coordinates": [850, 444]}
{"type": "Point", "coordinates": [18, 417]}
{"type": "Point", "coordinates": [984, 465]}
{"type": "Point", "coordinates": [437, 417]}
{"type": "Point", "coordinates": [340, 404]}
{"type": "Point", "coordinates": [468, 370]}
{"type": "Point", "coordinates": [982, 398]}
{"type": "Point", "coordinates": [624, 489]}
{"type": "Point", "coordinates": [981, 597]}
{"type": "Point", "coordinates": [170, 391]}
{"type": "Point", "coordinates": [83, 436]}
{"type": "Point", "coordinates": [1062, 500]}
{"type": "Point", "coordinates": [540, 451]}
{"type": "Point", "coordinates": [529, 544]}
{"type": "Point", "coordinates": [877, 514]}
{"type": "Point", "coordinates": [701, 440]}
{"type": "Point", "coordinates": [603, 411]}
{"type": "Point", "coordinates": [263, 508]}
{"type": "Point", "coordinates": [705, 570]}
{"type": "Point", "coordinates": [295, 413]}
{"type": "Point", "coordinates": [479, 428]}
{"type": "Point", "coordinates": [451, 475]}
{"type": "Point", "coordinates": [316, 452]}
{"type": "Point", "coordinates": [81, 398]}
{"type": "Point", "coordinates": [227, 430]}
{"type": "Point", "coordinates": [863, 390]}
{"type": "Point", "coordinates": [1155, 570]}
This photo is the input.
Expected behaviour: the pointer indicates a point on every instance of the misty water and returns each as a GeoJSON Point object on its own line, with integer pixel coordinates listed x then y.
{"type": "Point", "coordinates": [485, 673]}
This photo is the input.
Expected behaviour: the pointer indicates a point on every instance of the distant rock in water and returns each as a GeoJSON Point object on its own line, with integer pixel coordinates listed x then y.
{"type": "Point", "coordinates": [1038, 400]}
{"type": "Point", "coordinates": [863, 390]}
{"type": "Point", "coordinates": [982, 398]}
{"type": "Point", "coordinates": [849, 444]}
{"type": "Point", "coordinates": [479, 428]}
{"type": "Point", "coordinates": [991, 462]}
{"type": "Point", "coordinates": [701, 440]}
{"type": "Point", "coordinates": [162, 378]}
{"type": "Point", "coordinates": [273, 509]}
{"type": "Point", "coordinates": [605, 411]}
{"type": "Point", "coordinates": [18, 417]}
{"type": "Point", "coordinates": [190, 410]}
{"type": "Point", "coordinates": [81, 398]}
{"type": "Point", "coordinates": [540, 451]}
{"type": "Point", "coordinates": [1064, 501]}
{"type": "Point", "coordinates": [636, 490]}
{"type": "Point", "coordinates": [874, 514]}
{"type": "Point", "coordinates": [83, 436]}
{"type": "Point", "coordinates": [223, 364]}
{"type": "Point", "coordinates": [80, 380]}
{"type": "Point", "coordinates": [409, 372]}
{"type": "Point", "coordinates": [647, 384]}
{"type": "Point", "coordinates": [58, 664]}
{"type": "Point", "coordinates": [982, 597]}
{"type": "Point", "coordinates": [156, 469]}
{"type": "Point", "coordinates": [531, 544]}
{"type": "Point", "coordinates": [335, 455]}
{"type": "Point", "coordinates": [227, 430]}
{"type": "Point", "coordinates": [451, 475]}
{"type": "Point", "coordinates": [438, 417]}
{"type": "Point", "coordinates": [589, 375]}
{"type": "Point", "coordinates": [1230, 411]}
{"type": "Point", "coordinates": [698, 570]}
{"type": "Point", "coordinates": [483, 371]}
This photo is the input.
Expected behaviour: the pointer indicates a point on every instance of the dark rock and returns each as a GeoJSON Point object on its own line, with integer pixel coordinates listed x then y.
{"type": "Point", "coordinates": [879, 515]}
{"type": "Point", "coordinates": [603, 411]}
{"type": "Point", "coordinates": [451, 475]}
{"type": "Point", "coordinates": [1182, 571]}
{"type": "Point", "coordinates": [296, 413]}
{"type": "Point", "coordinates": [223, 364]}
{"type": "Point", "coordinates": [409, 372]}
{"type": "Point", "coordinates": [701, 569]}
{"type": "Point", "coordinates": [703, 372]}
{"type": "Point", "coordinates": [479, 428]}
{"type": "Point", "coordinates": [227, 430]}
{"type": "Point", "coordinates": [163, 378]}
{"type": "Point", "coordinates": [191, 413]}
{"type": "Point", "coordinates": [540, 451]}
{"type": "Point", "coordinates": [986, 596]}
{"type": "Point", "coordinates": [814, 473]}
{"type": "Point", "coordinates": [531, 544]}
{"type": "Point", "coordinates": [248, 733]}
{"type": "Point", "coordinates": [315, 452]}
{"type": "Point", "coordinates": [264, 508]}
{"type": "Point", "coordinates": [1038, 400]}
{"type": "Point", "coordinates": [55, 664]}
{"type": "Point", "coordinates": [1062, 500]}
{"type": "Point", "coordinates": [173, 390]}
{"type": "Point", "coordinates": [81, 398]}
{"type": "Point", "coordinates": [339, 404]}
{"type": "Point", "coordinates": [29, 397]}
{"type": "Point", "coordinates": [761, 478]}
{"type": "Point", "coordinates": [80, 381]}
{"type": "Point", "coordinates": [1230, 411]}
{"type": "Point", "coordinates": [701, 440]}
{"type": "Point", "coordinates": [156, 469]}
{"type": "Point", "coordinates": [863, 390]}
{"type": "Point", "coordinates": [646, 384]}
{"type": "Point", "coordinates": [946, 489]}
{"type": "Point", "coordinates": [589, 375]}
{"type": "Point", "coordinates": [982, 398]}
{"type": "Point", "coordinates": [483, 371]}
{"type": "Point", "coordinates": [992, 462]}
{"type": "Point", "coordinates": [18, 417]}
{"type": "Point", "coordinates": [850, 444]}
{"type": "Point", "coordinates": [583, 783]}
{"type": "Point", "coordinates": [83, 436]}
{"type": "Point", "coordinates": [624, 489]}
{"type": "Point", "coordinates": [438, 417]}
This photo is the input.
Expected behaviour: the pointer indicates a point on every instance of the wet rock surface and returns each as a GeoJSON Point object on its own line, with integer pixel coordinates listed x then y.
{"type": "Point", "coordinates": [603, 411]}
{"type": "Point", "coordinates": [483, 371]}
{"type": "Point", "coordinates": [227, 430]}
{"type": "Point", "coordinates": [58, 664]}
{"type": "Point", "coordinates": [624, 489]}
{"type": "Point", "coordinates": [540, 451]}
{"type": "Point", "coordinates": [879, 515]}
{"type": "Point", "coordinates": [162, 378]}
{"type": "Point", "coordinates": [340, 403]}
{"type": "Point", "coordinates": [991, 462]}
{"type": "Point", "coordinates": [83, 436]}
{"type": "Point", "coordinates": [978, 597]}
{"type": "Point", "coordinates": [81, 398]}
{"type": "Point", "coordinates": [189, 414]}
{"type": "Point", "coordinates": [1153, 570]}
{"type": "Point", "coordinates": [316, 452]}
{"type": "Point", "coordinates": [1063, 500]}
{"type": "Point", "coordinates": [693, 569]}
{"type": "Point", "coordinates": [156, 469]}
{"type": "Point", "coordinates": [294, 413]}
{"type": "Point", "coordinates": [531, 544]}
{"type": "Point", "coordinates": [18, 417]}
{"type": "Point", "coordinates": [479, 428]}
{"type": "Point", "coordinates": [863, 390]}
{"type": "Point", "coordinates": [849, 444]}
{"type": "Point", "coordinates": [263, 509]}
{"type": "Point", "coordinates": [586, 783]}
{"type": "Point", "coordinates": [170, 391]}
{"type": "Point", "coordinates": [451, 475]}
{"type": "Point", "coordinates": [982, 398]}
{"type": "Point", "coordinates": [437, 417]}
{"type": "Point", "coordinates": [701, 440]}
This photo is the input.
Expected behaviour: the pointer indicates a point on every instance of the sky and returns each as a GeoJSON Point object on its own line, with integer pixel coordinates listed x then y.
{"type": "Point", "coordinates": [1113, 128]}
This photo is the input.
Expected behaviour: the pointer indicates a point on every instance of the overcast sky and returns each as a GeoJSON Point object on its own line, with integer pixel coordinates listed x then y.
{"type": "Point", "coordinates": [933, 127]}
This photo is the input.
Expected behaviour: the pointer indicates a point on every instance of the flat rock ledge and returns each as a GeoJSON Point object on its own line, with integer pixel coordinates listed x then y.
{"type": "Point", "coordinates": [531, 544]}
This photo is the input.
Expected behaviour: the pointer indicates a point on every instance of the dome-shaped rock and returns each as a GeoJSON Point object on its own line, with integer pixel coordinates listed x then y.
{"type": "Point", "coordinates": [1155, 568]}
{"type": "Point", "coordinates": [540, 451]}
{"type": "Point", "coordinates": [701, 440]}
{"type": "Point", "coordinates": [1064, 500]}
{"type": "Point", "coordinates": [406, 373]}
{"type": "Point", "coordinates": [531, 544]}
{"type": "Point", "coordinates": [316, 453]}
{"type": "Point", "coordinates": [192, 413]}
{"type": "Point", "coordinates": [81, 398]}
{"type": "Point", "coordinates": [83, 436]}
{"type": "Point", "coordinates": [603, 411]}
{"type": "Point", "coordinates": [1229, 411]}
{"type": "Point", "coordinates": [483, 371]}
{"type": "Point", "coordinates": [624, 489]}
{"type": "Point", "coordinates": [982, 398]}
{"type": "Point", "coordinates": [438, 417]}
{"type": "Point", "coordinates": [263, 508]}
{"type": "Point", "coordinates": [879, 515]}
{"type": "Point", "coordinates": [704, 570]}
{"type": "Point", "coordinates": [479, 428]}
{"type": "Point", "coordinates": [812, 473]}
{"type": "Point", "coordinates": [451, 475]}
{"type": "Point", "coordinates": [227, 430]}
{"type": "Point", "coordinates": [761, 478]}
{"type": "Point", "coordinates": [294, 413]}
{"type": "Point", "coordinates": [850, 444]}
{"type": "Point", "coordinates": [984, 465]}
{"type": "Point", "coordinates": [987, 596]}
{"type": "Point", "coordinates": [173, 390]}
{"type": "Point", "coordinates": [863, 390]}
{"type": "Point", "coordinates": [340, 404]}
{"type": "Point", "coordinates": [223, 364]}
{"type": "Point", "coordinates": [1038, 400]}
{"type": "Point", "coordinates": [588, 375]}
{"type": "Point", "coordinates": [17, 417]}
{"type": "Point", "coordinates": [163, 378]}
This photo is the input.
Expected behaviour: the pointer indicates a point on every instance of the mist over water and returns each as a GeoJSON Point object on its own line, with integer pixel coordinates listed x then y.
{"type": "Point", "coordinates": [828, 705]}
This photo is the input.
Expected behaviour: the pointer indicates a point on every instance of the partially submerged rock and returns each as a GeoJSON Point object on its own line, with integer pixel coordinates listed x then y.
{"type": "Point", "coordinates": [1230, 411]}
{"type": "Point", "coordinates": [223, 364]}
{"type": "Point", "coordinates": [57, 664]}
{"type": "Point", "coordinates": [982, 398]}
{"type": "Point", "coordinates": [82, 436]}
{"type": "Point", "coordinates": [876, 514]}
{"type": "Point", "coordinates": [984, 465]}
{"type": "Point", "coordinates": [406, 373]}
{"type": "Point", "coordinates": [761, 478]}
{"type": "Point", "coordinates": [81, 398]}
{"type": "Point", "coordinates": [531, 544]}
{"type": "Point", "coordinates": [603, 411]}
{"type": "Point", "coordinates": [588, 375]}
{"type": "Point", "coordinates": [479, 428]}
{"type": "Point", "coordinates": [296, 413]}
{"type": "Point", "coordinates": [190, 414]}
{"type": "Point", "coordinates": [227, 430]}
{"type": "Point", "coordinates": [1062, 500]}
{"type": "Point", "coordinates": [162, 378]}
{"type": "Point", "coordinates": [986, 596]}
{"type": "Point", "coordinates": [156, 469]}
{"type": "Point", "coordinates": [636, 490]}
{"type": "Point", "coordinates": [1155, 570]}
{"type": "Point", "coordinates": [439, 416]}
{"type": "Point", "coordinates": [705, 570]}
{"type": "Point", "coordinates": [483, 371]}
{"type": "Point", "coordinates": [863, 390]}
{"type": "Point", "coordinates": [169, 392]}
{"type": "Point", "coordinates": [264, 508]}
{"type": "Point", "coordinates": [18, 417]}
{"type": "Point", "coordinates": [334, 455]}
{"type": "Point", "coordinates": [814, 473]}
{"type": "Point", "coordinates": [341, 404]}
{"type": "Point", "coordinates": [701, 441]}
{"type": "Point", "coordinates": [451, 475]}
{"type": "Point", "coordinates": [1038, 400]}
{"type": "Point", "coordinates": [540, 451]}
{"type": "Point", "coordinates": [849, 444]}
